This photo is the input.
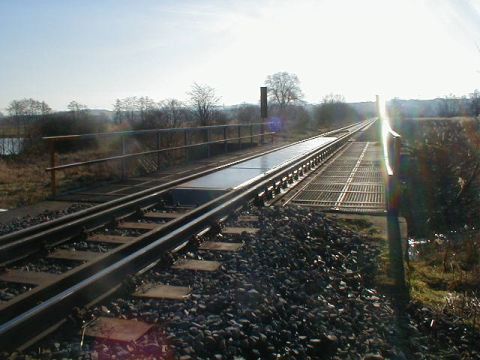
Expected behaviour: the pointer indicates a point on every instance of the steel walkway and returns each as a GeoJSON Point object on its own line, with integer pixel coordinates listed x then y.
{"type": "Point", "coordinates": [351, 182]}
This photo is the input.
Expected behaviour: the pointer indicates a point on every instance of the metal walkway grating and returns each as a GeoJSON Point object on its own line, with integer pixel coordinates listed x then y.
{"type": "Point", "coordinates": [351, 182]}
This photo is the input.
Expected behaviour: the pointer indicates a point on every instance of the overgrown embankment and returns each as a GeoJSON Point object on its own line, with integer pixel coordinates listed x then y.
{"type": "Point", "coordinates": [442, 207]}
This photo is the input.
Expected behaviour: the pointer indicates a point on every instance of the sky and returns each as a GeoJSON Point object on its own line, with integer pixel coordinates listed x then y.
{"type": "Point", "coordinates": [94, 51]}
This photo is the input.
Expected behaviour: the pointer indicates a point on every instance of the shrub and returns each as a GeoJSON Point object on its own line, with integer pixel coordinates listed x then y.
{"type": "Point", "coordinates": [335, 114]}
{"type": "Point", "coordinates": [67, 124]}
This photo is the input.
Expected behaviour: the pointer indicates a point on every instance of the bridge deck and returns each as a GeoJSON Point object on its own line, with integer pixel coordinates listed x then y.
{"type": "Point", "coordinates": [241, 174]}
{"type": "Point", "coordinates": [351, 182]}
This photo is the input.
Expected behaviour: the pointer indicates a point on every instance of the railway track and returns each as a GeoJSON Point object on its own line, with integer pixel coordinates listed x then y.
{"type": "Point", "coordinates": [127, 235]}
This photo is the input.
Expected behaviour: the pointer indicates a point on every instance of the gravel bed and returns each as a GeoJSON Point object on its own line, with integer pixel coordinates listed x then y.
{"type": "Point", "coordinates": [299, 289]}
{"type": "Point", "coordinates": [54, 266]}
{"type": "Point", "coordinates": [47, 215]}
{"type": "Point", "coordinates": [10, 290]}
{"type": "Point", "coordinates": [88, 246]}
{"type": "Point", "coordinates": [119, 232]}
{"type": "Point", "coordinates": [147, 221]}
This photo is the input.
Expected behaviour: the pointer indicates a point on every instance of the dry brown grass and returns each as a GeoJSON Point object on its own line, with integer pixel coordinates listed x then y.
{"type": "Point", "coordinates": [24, 181]}
{"type": "Point", "coordinates": [447, 278]}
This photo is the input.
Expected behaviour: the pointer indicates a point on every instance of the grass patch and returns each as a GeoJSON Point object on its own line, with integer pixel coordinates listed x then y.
{"type": "Point", "coordinates": [446, 278]}
{"type": "Point", "coordinates": [24, 181]}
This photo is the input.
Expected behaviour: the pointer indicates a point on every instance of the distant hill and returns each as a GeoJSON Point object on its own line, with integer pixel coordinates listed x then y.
{"type": "Point", "coordinates": [439, 107]}
{"type": "Point", "coordinates": [103, 113]}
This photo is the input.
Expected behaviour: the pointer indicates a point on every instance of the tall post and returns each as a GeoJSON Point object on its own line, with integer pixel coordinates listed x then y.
{"type": "Point", "coordinates": [263, 111]}
{"type": "Point", "coordinates": [53, 182]}
{"type": "Point", "coordinates": [239, 135]}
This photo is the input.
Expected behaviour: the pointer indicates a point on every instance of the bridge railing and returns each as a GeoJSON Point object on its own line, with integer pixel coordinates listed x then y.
{"type": "Point", "coordinates": [185, 139]}
{"type": "Point", "coordinates": [392, 142]}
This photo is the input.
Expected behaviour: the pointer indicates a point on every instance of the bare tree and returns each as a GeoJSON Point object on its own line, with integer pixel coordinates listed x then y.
{"type": "Point", "coordinates": [144, 106]}
{"type": "Point", "coordinates": [449, 106]}
{"type": "Point", "coordinates": [28, 107]}
{"type": "Point", "coordinates": [247, 113]}
{"type": "Point", "coordinates": [333, 98]}
{"type": "Point", "coordinates": [334, 112]}
{"type": "Point", "coordinates": [118, 111]}
{"type": "Point", "coordinates": [174, 111]}
{"type": "Point", "coordinates": [475, 102]}
{"type": "Point", "coordinates": [26, 111]}
{"type": "Point", "coordinates": [204, 101]}
{"type": "Point", "coordinates": [134, 109]}
{"type": "Point", "coordinates": [76, 109]}
{"type": "Point", "coordinates": [283, 89]}
{"type": "Point", "coordinates": [74, 106]}
{"type": "Point", "coordinates": [130, 107]}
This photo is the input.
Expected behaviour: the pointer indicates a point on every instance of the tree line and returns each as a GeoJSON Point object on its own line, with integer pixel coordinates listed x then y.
{"type": "Point", "coordinates": [35, 118]}
{"type": "Point", "coordinates": [447, 106]}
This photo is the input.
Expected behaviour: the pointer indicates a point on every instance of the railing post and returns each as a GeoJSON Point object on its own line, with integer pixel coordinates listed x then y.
{"type": "Point", "coordinates": [53, 182]}
{"type": "Point", "coordinates": [225, 139]}
{"type": "Point", "coordinates": [251, 134]}
{"type": "Point", "coordinates": [208, 142]}
{"type": "Point", "coordinates": [124, 165]}
{"type": "Point", "coordinates": [185, 141]}
{"type": "Point", "coordinates": [239, 133]}
{"type": "Point", "coordinates": [158, 150]}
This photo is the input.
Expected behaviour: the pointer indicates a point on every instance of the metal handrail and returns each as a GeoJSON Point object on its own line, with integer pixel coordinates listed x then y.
{"type": "Point", "coordinates": [149, 152]}
{"type": "Point", "coordinates": [147, 131]}
{"type": "Point", "coordinates": [52, 140]}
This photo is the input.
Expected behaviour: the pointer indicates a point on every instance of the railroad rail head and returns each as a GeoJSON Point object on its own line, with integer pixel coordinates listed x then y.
{"type": "Point", "coordinates": [99, 277]}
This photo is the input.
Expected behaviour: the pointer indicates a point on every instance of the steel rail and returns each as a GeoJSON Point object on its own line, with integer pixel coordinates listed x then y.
{"type": "Point", "coordinates": [36, 313]}
{"type": "Point", "coordinates": [71, 225]}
